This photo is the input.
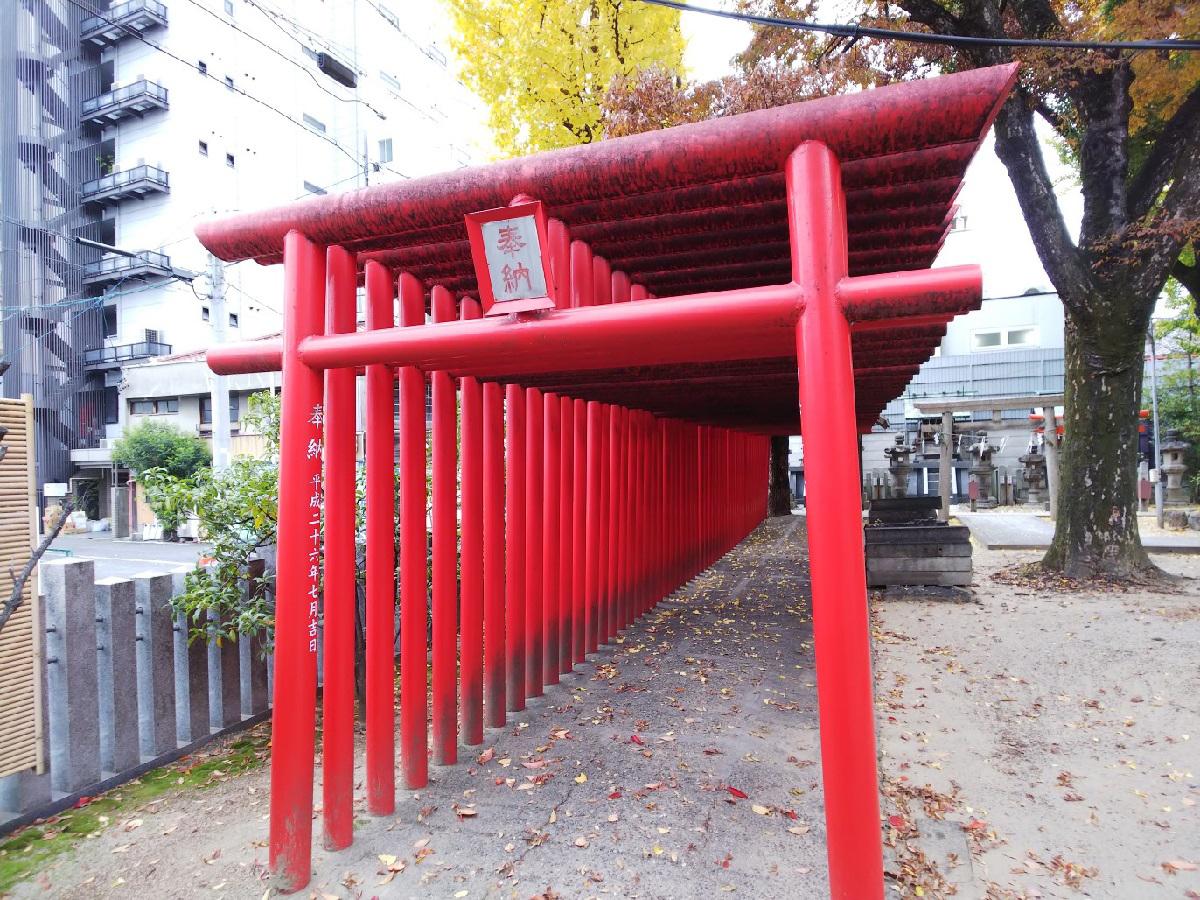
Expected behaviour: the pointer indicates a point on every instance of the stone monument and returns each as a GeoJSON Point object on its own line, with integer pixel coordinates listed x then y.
{"type": "Point", "coordinates": [982, 469]}
{"type": "Point", "coordinates": [1173, 466]}
{"type": "Point", "coordinates": [899, 465]}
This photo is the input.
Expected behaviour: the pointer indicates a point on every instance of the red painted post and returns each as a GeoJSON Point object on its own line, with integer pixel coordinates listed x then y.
{"type": "Point", "coordinates": [471, 701]}
{"type": "Point", "coordinates": [566, 571]}
{"type": "Point", "coordinates": [534, 498]}
{"type": "Point", "coordinates": [414, 550]}
{"type": "Point", "coordinates": [294, 713]}
{"type": "Point", "coordinates": [552, 621]}
{"type": "Point", "coordinates": [337, 719]}
{"type": "Point", "coordinates": [381, 556]}
{"type": "Point", "coordinates": [595, 424]}
{"type": "Point", "coordinates": [445, 551]}
{"type": "Point", "coordinates": [600, 634]}
{"type": "Point", "coordinates": [614, 492]}
{"type": "Point", "coordinates": [579, 542]}
{"type": "Point", "coordinates": [841, 630]}
{"type": "Point", "coordinates": [514, 571]}
{"type": "Point", "coordinates": [494, 649]}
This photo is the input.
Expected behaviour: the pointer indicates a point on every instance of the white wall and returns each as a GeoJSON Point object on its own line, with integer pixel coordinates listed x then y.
{"type": "Point", "coordinates": [432, 120]}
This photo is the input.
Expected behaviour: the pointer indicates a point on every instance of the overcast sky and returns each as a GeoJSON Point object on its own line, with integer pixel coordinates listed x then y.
{"type": "Point", "coordinates": [996, 237]}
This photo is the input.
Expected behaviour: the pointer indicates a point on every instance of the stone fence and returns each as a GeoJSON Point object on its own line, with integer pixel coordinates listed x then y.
{"type": "Point", "coordinates": [124, 690]}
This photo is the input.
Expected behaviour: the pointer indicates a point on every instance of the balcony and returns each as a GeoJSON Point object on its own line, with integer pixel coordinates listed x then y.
{"type": "Point", "coordinates": [111, 357]}
{"type": "Point", "coordinates": [120, 19]}
{"type": "Point", "coordinates": [135, 99]}
{"type": "Point", "coordinates": [136, 182]}
{"type": "Point", "coordinates": [118, 268]}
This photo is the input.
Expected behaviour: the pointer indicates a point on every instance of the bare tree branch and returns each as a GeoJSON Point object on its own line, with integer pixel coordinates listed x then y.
{"type": "Point", "coordinates": [1174, 225]}
{"type": "Point", "coordinates": [16, 598]}
{"type": "Point", "coordinates": [1180, 135]}
{"type": "Point", "coordinates": [1018, 148]}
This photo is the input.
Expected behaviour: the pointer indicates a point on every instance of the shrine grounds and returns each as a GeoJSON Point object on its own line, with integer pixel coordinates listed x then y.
{"type": "Point", "coordinates": [1035, 741]}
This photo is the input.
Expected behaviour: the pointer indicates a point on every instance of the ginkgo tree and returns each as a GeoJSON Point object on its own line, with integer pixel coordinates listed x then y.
{"type": "Point", "coordinates": [542, 66]}
{"type": "Point", "coordinates": [1129, 122]}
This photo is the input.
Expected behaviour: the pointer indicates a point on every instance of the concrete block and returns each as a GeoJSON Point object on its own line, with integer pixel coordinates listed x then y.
{"type": "Point", "coordinates": [225, 689]}
{"type": "Point", "coordinates": [116, 640]}
{"type": "Point", "coordinates": [916, 551]}
{"type": "Point", "coordinates": [71, 676]}
{"type": "Point", "coordinates": [155, 665]}
{"type": "Point", "coordinates": [930, 564]}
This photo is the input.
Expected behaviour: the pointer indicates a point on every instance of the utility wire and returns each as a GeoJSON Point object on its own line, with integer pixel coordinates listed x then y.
{"type": "Point", "coordinates": [918, 37]}
{"type": "Point", "coordinates": [284, 56]}
{"type": "Point", "coordinates": [329, 140]}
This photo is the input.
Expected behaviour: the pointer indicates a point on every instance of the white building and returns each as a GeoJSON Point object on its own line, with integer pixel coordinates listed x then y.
{"type": "Point", "coordinates": [212, 106]}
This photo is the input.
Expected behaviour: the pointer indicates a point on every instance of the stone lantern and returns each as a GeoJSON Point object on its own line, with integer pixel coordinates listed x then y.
{"type": "Point", "coordinates": [1173, 466]}
{"type": "Point", "coordinates": [1034, 462]}
{"type": "Point", "coordinates": [982, 469]}
{"type": "Point", "coordinates": [899, 465]}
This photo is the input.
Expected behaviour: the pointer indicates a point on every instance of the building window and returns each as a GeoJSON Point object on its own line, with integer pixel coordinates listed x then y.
{"type": "Point", "coordinates": [314, 123]}
{"type": "Point", "coordinates": [151, 336]}
{"type": "Point", "coordinates": [391, 17]}
{"type": "Point", "coordinates": [233, 320]}
{"type": "Point", "coordinates": [112, 405]}
{"type": "Point", "coordinates": [996, 339]}
{"type": "Point", "coordinates": [958, 223]}
{"type": "Point", "coordinates": [203, 67]}
{"type": "Point", "coordinates": [229, 160]}
{"type": "Point", "coordinates": [161, 407]}
{"type": "Point", "coordinates": [391, 81]}
{"type": "Point", "coordinates": [385, 150]}
{"type": "Point", "coordinates": [110, 321]}
{"type": "Point", "coordinates": [229, 7]}
{"type": "Point", "coordinates": [314, 189]}
{"type": "Point", "coordinates": [206, 409]}
{"type": "Point", "coordinates": [204, 314]}
{"type": "Point", "coordinates": [986, 340]}
{"type": "Point", "coordinates": [436, 55]}
{"type": "Point", "coordinates": [204, 148]}
{"type": "Point", "coordinates": [1022, 336]}
{"type": "Point", "coordinates": [229, 82]}
{"type": "Point", "coordinates": [309, 52]}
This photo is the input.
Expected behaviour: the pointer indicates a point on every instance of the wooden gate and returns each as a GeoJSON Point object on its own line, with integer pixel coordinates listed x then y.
{"type": "Point", "coordinates": [20, 645]}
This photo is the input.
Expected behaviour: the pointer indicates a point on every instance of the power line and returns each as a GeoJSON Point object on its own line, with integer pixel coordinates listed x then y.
{"type": "Point", "coordinates": [283, 56]}
{"type": "Point", "coordinates": [227, 84]}
{"type": "Point", "coordinates": [918, 37]}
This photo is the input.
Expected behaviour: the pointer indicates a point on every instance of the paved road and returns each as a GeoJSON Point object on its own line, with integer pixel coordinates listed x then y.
{"type": "Point", "coordinates": [1015, 531]}
{"type": "Point", "coordinates": [123, 559]}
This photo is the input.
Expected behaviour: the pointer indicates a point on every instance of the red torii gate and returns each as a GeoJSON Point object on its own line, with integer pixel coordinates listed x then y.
{"type": "Point", "coordinates": [637, 416]}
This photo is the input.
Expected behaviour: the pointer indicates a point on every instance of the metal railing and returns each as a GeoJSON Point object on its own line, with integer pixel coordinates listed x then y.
{"type": "Point", "coordinates": [125, 352]}
{"type": "Point", "coordinates": [119, 12]}
{"type": "Point", "coordinates": [117, 265]}
{"type": "Point", "coordinates": [119, 96]}
{"type": "Point", "coordinates": [117, 180]}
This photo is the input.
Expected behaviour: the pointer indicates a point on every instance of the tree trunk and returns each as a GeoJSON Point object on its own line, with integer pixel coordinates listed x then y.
{"type": "Point", "coordinates": [779, 493]}
{"type": "Point", "coordinates": [1096, 530]}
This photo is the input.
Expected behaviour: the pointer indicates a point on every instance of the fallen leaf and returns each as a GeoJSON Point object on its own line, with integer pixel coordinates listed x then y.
{"type": "Point", "coordinates": [581, 841]}
{"type": "Point", "coordinates": [486, 756]}
{"type": "Point", "coordinates": [741, 795]}
{"type": "Point", "coordinates": [761, 810]}
{"type": "Point", "coordinates": [580, 778]}
{"type": "Point", "coordinates": [1178, 865]}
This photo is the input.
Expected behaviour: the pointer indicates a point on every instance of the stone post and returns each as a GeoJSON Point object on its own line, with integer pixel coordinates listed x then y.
{"type": "Point", "coordinates": [155, 665]}
{"type": "Point", "coordinates": [250, 650]}
{"type": "Point", "coordinates": [225, 688]}
{"type": "Point", "coordinates": [116, 642]}
{"type": "Point", "coordinates": [946, 465]}
{"type": "Point", "coordinates": [119, 507]}
{"type": "Point", "coordinates": [1051, 450]}
{"type": "Point", "coordinates": [71, 673]}
{"type": "Point", "coordinates": [191, 676]}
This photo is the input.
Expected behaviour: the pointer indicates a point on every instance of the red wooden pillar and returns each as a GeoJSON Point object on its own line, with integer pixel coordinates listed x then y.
{"type": "Point", "coordinates": [494, 650]}
{"type": "Point", "coordinates": [381, 556]}
{"type": "Point", "coordinates": [552, 621]}
{"type": "Point", "coordinates": [337, 719]}
{"type": "Point", "coordinates": [581, 416]}
{"type": "Point", "coordinates": [566, 519]}
{"type": "Point", "coordinates": [514, 572]}
{"type": "Point", "coordinates": [534, 490]}
{"type": "Point", "coordinates": [841, 635]}
{"type": "Point", "coordinates": [294, 713]}
{"type": "Point", "coordinates": [414, 549]}
{"type": "Point", "coordinates": [445, 551]}
{"type": "Point", "coordinates": [595, 424]}
{"type": "Point", "coordinates": [471, 650]}
{"type": "Point", "coordinates": [615, 494]}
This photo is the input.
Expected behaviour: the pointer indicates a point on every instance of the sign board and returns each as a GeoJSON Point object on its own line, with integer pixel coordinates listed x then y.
{"type": "Point", "coordinates": [512, 259]}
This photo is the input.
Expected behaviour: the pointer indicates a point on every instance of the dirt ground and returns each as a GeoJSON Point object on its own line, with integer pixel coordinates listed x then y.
{"type": "Point", "coordinates": [1033, 744]}
{"type": "Point", "coordinates": [1058, 733]}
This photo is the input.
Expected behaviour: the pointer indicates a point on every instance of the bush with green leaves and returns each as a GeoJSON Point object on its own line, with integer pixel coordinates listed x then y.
{"type": "Point", "coordinates": [169, 496]}
{"type": "Point", "coordinates": [155, 445]}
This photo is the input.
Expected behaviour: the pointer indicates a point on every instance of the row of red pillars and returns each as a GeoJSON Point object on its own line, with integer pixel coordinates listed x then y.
{"type": "Point", "coordinates": [560, 522]}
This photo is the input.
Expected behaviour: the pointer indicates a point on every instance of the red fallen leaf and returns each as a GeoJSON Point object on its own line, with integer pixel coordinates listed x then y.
{"type": "Point", "coordinates": [974, 825]}
{"type": "Point", "coordinates": [82, 802]}
{"type": "Point", "coordinates": [790, 813]}
{"type": "Point", "coordinates": [1171, 866]}
{"type": "Point", "coordinates": [486, 756]}
{"type": "Point", "coordinates": [741, 795]}
{"type": "Point", "coordinates": [896, 821]}
{"type": "Point", "coordinates": [637, 740]}
{"type": "Point", "coordinates": [615, 795]}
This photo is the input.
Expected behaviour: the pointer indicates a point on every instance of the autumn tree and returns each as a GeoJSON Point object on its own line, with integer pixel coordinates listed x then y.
{"type": "Point", "coordinates": [1130, 121]}
{"type": "Point", "coordinates": [542, 66]}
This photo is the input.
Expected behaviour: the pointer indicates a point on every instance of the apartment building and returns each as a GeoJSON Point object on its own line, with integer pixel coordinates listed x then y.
{"type": "Point", "coordinates": [138, 118]}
